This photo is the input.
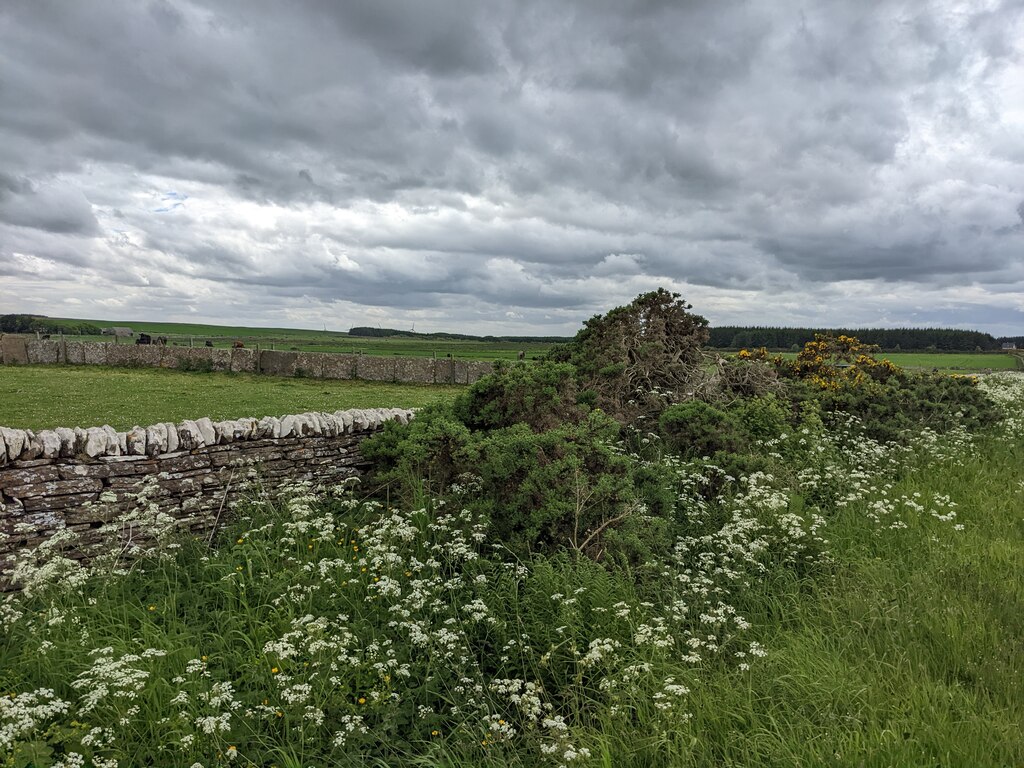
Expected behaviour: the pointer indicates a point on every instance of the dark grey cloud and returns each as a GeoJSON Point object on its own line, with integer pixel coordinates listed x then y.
{"type": "Point", "coordinates": [512, 165]}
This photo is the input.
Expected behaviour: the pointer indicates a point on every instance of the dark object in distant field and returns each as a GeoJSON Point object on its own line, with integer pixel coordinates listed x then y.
{"type": "Point", "coordinates": [209, 343]}
{"type": "Point", "coordinates": [145, 338]}
{"type": "Point", "coordinates": [237, 344]}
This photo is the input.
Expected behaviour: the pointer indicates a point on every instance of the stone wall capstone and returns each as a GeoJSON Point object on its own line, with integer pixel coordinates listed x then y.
{"type": "Point", "coordinates": [80, 479]}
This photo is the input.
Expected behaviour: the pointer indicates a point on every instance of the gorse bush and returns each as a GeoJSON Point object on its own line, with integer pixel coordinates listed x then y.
{"type": "Point", "coordinates": [542, 396]}
{"type": "Point", "coordinates": [697, 429]}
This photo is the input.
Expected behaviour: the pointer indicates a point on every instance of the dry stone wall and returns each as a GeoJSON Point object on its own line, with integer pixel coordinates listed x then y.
{"type": "Point", "coordinates": [81, 479]}
{"type": "Point", "coordinates": [20, 350]}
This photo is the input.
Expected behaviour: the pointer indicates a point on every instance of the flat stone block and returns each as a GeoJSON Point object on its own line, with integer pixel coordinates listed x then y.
{"type": "Point", "coordinates": [415, 370]}
{"type": "Point", "coordinates": [42, 352]}
{"type": "Point", "coordinates": [374, 368]}
{"type": "Point", "coordinates": [14, 349]}
{"type": "Point", "coordinates": [309, 364]}
{"type": "Point", "coordinates": [277, 363]}
{"type": "Point", "coordinates": [11, 478]}
{"type": "Point", "coordinates": [53, 503]}
{"type": "Point", "coordinates": [55, 488]}
{"type": "Point", "coordinates": [220, 359]}
{"type": "Point", "coordinates": [74, 352]}
{"type": "Point", "coordinates": [95, 352]}
{"type": "Point", "coordinates": [340, 366]}
{"type": "Point", "coordinates": [244, 360]}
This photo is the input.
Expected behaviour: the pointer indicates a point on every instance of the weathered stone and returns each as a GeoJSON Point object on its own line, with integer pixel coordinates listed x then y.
{"type": "Point", "coordinates": [67, 441]}
{"type": "Point", "coordinates": [118, 466]}
{"type": "Point", "coordinates": [225, 432]}
{"type": "Point", "coordinates": [173, 443]}
{"type": "Point", "coordinates": [55, 488]}
{"type": "Point", "coordinates": [189, 436]}
{"type": "Point", "coordinates": [52, 503]}
{"type": "Point", "coordinates": [95, 353]}
{"type": "Point", "coordinates": [277, 363]}
{"type": "Point", "coordinates": [309, 365]}
{"type": "Point", "coordinates": [375, 368]}
{"type": "Point", "coordinates": [13, 348]}
{"type": "Point", "coordinates": [265, 427]}
{"type": "Point", "coordinates": [81, 437]}
{"type": "Point", "coordinates": [339, 366]}
{"type": "Point", "coordinates": [135, 441]}
{"type": "Point", "coordinates": [73, 471]}
{"type": "Point", "coordinates": [29, 463]}
{"type": "Point", "coordinates": [346, 420]}
{"type": "Point", "coordinates": [74, 352]}
{"type": "Point", "coordinates": [156, 439]}
{"type": "Point", "coordinates": [220, 359]}
{"type": "Point", "coordinates": [115, 441]}
{"type": "Point", "coordinates": [97, 513]}
{"type": "Point", "coordinates": [416, 370]}
{"type": "Point", "coordinates": [42, 352]}
{"type": "Point", "coordinates": [33, 446]}
{"type": "Point", "coordinates": [15, 440]}
{"type": "Point", "coordinates": [182, 463]}
{"type": "Point", "coordinates": [97, 442]}
{"type": "Point", "coordinates": [50, 441]}
{"type": "Point", "coordinates": [243, 360]}
{"type": "Point", "coordinates": [290, 425]}
{"type": "Point", "coordinates": [477, 370]}
{"type": "Point", "coordinates": [10, 478]}
{"type": "Point", "coordinates": [207, 430]}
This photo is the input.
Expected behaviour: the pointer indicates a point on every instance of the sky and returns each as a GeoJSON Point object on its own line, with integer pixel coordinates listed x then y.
{"type": "Point", "coordinates": [513, 167]}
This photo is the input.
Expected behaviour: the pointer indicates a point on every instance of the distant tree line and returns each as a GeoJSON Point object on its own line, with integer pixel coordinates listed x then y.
{"type": "Point", "coordinates": [391, 332]}
{"type": "Point", "coordinates": [889, 339]}
{"type": "Point", "coordinates": [43, 324]}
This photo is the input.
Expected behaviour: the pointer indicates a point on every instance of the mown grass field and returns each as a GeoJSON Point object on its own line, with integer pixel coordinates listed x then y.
{"type": "Point", "coordinates": [43, 397]}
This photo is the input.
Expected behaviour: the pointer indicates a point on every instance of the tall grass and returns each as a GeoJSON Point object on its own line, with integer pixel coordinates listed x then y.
{"type": "Point", "coordinates": [859, 605]}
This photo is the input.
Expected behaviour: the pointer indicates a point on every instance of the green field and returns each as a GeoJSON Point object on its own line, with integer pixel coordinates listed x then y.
{"type": "Point", "coordinates": [43, 397]}
{"type": "Point", "coordinates": [322, 341]}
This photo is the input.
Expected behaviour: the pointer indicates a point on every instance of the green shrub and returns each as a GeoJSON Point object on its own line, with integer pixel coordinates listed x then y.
{"type": "Point", "coordinates": [761, 418]}
{"type": "Point", "coordinates": [542, 396]}
{"type": "Point", "coordinates": [423, 457]}
{"type": "Point", "coordinates": [697, 429]}
{"type": "Point", "coordinates": [562, 488]}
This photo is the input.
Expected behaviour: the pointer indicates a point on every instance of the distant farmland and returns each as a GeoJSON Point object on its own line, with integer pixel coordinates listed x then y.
{"type": "Point", "coordinates": [324, 341]}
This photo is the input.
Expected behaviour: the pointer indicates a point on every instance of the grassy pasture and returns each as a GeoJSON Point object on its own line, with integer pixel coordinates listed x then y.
{"type": "Point", "coordinates": [323, 341]}
{"type": "Point", "coordinates": [42, 397]}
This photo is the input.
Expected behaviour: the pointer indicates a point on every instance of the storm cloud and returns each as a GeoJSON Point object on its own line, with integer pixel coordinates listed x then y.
{"type": "Point", "coordinates": [512, 166]}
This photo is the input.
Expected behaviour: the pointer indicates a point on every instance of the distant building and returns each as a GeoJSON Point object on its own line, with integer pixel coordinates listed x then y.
{"type": "Point", "coordinates": [118, 330]}
{"type": "Point", "coordinates": [1008, 345]}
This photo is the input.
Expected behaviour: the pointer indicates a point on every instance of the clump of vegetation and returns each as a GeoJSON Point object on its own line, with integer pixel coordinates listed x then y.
{"type": "Point", "coordinates": [629, 360]}
{"type": "Point", "coordinates": [842, 375]}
